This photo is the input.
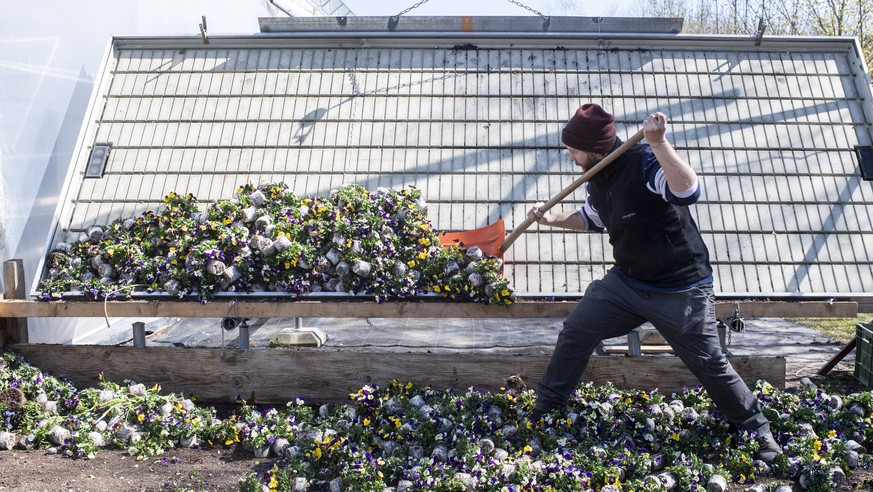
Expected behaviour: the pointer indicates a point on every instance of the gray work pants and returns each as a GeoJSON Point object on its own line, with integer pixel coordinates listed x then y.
{"type": "Point", "coordinates": [685, 319]}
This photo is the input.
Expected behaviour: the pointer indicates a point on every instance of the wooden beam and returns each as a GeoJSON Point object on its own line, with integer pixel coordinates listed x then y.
{"type": "Point", "coordinates": [15, 329]}
{"type": "Point", "coordinates": [277, 376]}
{"type": "Point", "coordinates": [837, 358]}
{"type": "Point", "coordinates": [352, 308]}
{"type": "Point", "coordinates": [786, 309]}
{"type": "Point", "coordinates": [284, 309]}
{"type": "Point", "coordinates": [646, 349]}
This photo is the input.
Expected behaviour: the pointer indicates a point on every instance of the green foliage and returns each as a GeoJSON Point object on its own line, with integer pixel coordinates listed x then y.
{"type": "Point", "coordinates": [839, 329]}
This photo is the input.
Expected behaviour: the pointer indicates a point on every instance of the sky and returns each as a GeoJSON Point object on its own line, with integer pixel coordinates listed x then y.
{"type": "Point", "coordinates": [585, 8]}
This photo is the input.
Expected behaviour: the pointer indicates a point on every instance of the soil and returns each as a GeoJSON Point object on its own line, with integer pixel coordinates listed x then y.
{"type": "Point", "coordinates": [115, 470]}
{"type": "Point", "coordinates": [179, 470]}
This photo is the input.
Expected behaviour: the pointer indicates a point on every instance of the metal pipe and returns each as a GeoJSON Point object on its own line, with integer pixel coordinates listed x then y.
{"type": "Point", "coordinates": [244, 335]}
{"type": "Point", "coordinates": [139, 334]}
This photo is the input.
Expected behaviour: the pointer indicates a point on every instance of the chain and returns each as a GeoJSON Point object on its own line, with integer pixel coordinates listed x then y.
{"type": "Point", "coordinates": [414, 6]}
{"type": "Point", "coordinates": [516, 2]}
{"type": "Point", "coordinates": [535, 11]}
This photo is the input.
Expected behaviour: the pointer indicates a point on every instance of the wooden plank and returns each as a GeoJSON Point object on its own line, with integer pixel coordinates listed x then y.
{"type": "Point", "coordinates": [646, 349]}
{"type": "Point", "coordinates": [801, 309]}
{"type": "Point", "coordinates": [284, 309]}
{"type": "Point", "coordinates": [348, 307]}
{"type": "Point", "coordinates": [15, 330]}
{"type": "Point", "coordinates": [277, 376]}
{"type": "Point", "coordinates": [837, 358]}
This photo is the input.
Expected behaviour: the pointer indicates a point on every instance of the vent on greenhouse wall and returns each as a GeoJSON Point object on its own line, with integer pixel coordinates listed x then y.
{"type": "Point", "coordinates": [97, 161]}
{"type": "Point", "coordinates": [865, 161]}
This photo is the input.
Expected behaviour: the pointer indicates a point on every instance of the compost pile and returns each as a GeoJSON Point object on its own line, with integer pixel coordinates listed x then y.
{"type": "Point", "coordinates": [266, 239]}
{"type": "Point", "coordinates": [411, 437]}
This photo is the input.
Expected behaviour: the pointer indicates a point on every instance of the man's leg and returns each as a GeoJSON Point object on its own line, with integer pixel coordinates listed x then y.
{"type": "Point", "coordinates": [600, 314]}
{"type": "Point", "coordinates": [687, 322]}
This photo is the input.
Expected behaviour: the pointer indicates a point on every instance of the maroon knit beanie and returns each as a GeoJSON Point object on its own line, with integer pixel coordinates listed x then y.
{"type": "Point", "coordinates": [591, 129]}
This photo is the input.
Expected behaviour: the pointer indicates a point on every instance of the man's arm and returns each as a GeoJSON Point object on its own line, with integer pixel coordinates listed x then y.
{"type": "Point", "coordinates": [573, 219]}
{"type": "Point", "coordinates": [680, 176]}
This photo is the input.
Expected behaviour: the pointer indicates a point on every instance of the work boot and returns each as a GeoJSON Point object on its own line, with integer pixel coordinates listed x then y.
{"type": "Point", "coordinates": [768, 448]}
{"type": "Point", "coordinates": [536, 417]}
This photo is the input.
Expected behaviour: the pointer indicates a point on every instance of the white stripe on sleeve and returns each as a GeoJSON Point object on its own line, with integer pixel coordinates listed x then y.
{"type": "Point", "coordinates": [588, 211]}
{"type": "Point", "coordinates": [659, 186]}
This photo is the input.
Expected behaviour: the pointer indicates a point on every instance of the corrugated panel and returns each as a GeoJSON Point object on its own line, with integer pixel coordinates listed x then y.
{"type": "Point", "coordinates": [770, 129]}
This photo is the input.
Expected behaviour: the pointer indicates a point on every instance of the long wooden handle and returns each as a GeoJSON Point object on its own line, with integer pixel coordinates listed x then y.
{"type": "Point", "coordinates": [615, 154]}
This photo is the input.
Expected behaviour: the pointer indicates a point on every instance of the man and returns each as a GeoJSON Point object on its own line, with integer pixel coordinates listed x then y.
{"type": "Point", "coordinates": [661, 274]}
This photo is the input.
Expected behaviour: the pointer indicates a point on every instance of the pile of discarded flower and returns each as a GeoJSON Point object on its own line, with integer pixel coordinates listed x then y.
{"type": "Point", "coordinates": [269, 240]}
{"type": "Point", "coordinates": [417, 438]}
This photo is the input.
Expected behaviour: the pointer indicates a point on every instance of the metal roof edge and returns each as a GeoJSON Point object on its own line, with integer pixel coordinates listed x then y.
{"type": "Point", "coordinates": [664, 25]}
{"type": "Point", "coordinates": [432, 38]}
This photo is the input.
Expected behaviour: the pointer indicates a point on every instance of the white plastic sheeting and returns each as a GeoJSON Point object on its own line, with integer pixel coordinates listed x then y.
{"type": "Point", "coordinates": [49, 54]}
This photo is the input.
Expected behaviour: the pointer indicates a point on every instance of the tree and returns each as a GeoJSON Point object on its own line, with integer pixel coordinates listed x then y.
{"type": "Point", "coordinates": [781, 17]}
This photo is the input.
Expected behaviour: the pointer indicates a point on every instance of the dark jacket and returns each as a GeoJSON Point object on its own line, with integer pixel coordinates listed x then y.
{"type": "Point", "coordinates": [653, 241]}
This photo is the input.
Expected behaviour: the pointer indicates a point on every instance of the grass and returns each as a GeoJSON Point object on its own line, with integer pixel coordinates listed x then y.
{"type": "Point", "coordinates": [839, 329]}
{"type": "Point", "coordinates": [842, 330]}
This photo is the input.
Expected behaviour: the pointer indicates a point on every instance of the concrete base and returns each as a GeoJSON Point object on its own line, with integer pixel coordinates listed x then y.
{"type": "Point", "coordinates": [300, 337]}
